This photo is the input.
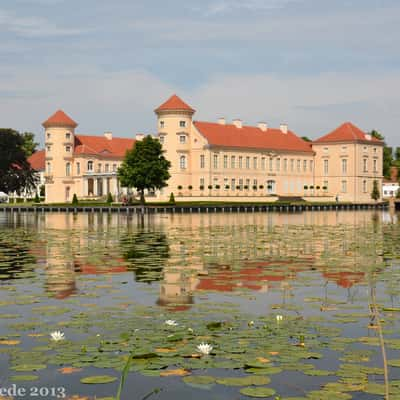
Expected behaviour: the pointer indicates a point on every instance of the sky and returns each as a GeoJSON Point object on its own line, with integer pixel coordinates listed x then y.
{"type": "Point", "coordinates": [312, 64]}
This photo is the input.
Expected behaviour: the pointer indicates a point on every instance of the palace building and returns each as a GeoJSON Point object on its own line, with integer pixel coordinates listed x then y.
{"type": "Point", "coordinates": [217, 160]}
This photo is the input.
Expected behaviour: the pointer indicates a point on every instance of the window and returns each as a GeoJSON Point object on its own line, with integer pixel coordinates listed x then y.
{"type": "Point", "coordinates": [240, 162]}
{"type": "Point", "coordinates": [48, 168]}
{"type": "Point", "coordinates": [182, 139]}
{"type": "Point", "coordinates": [226, 183]}
{"type": "Point", "coordinates": [233, 184]}
{"type": "Point", "coordinates": [106, 168]}
{"type": "Point", "coordinates": [278, 164]}
{"type": "Point", "coordinates": [202, 182]}
{"type": "Point", "coordinates": [215, 161]}
{"type": "Point", "coordinates": [298, 165]}
{"type": "Point", "coordinates": [48, 135]}
{"type": "Point", "coordinates": [263, 163]}
{"type": "Point", "coordinates": [255, 162]}
{"type": "Point", "coordinates": [225, 161]}
{"type": "Point", "coordinates": [182, 162]}
{"type": "Point", "coordinates": [233, 162]}
{"type": "Point", "coordinates": [67, 136]}
{"type": "Point", "coordinates": [344, 166]}
{"type": "Point", "coordinates": [325, 187]}
{"type": "Point", "coordinates": [68, 149]}
{"type": "Point", "coordinates": [48, 148]}
{"type": "Point", "coordinates": [68, 169]}
{"type": "Point", "coordinates": [365, 186]}
{"type": "Point", "coordinates": [90, 166]}
{"type": "Point", "coordinates": [202, 161]}
{"type": "Point", "coordinates": [161, 139]}
{"type": "Point", "coordinates": [114, 167]}
{"type": "Point", "coordinates": [240, 184]}
{"type": "Point", "coordinates": [285, 164]}
{"type": "Point", "coordinates": [365, 149]}
{"type": "Point", "coordinates": [248, 183]}
{"type": "Point", "coordinates": [375, 166]}
{"type": "Point", "coordinates": [311, 165]}
{"type": "Point", "coordinates": [99, 167]}
{"type": "Point", "coordinates": [162, 124]}
{"type": "Point", "coordinates": [344, 186]}
{"type": "Point", "coordinates": [255, 184]}
{"type": "Point", "coordinates": [344, 148]}
{"type": "Point", "coordinates": [375, 150]}
{"type": "Point", "coordinates": [365, 165]}
{"type": "Point", "coordinates": [182, 124]}
{"type": "Point", "coordinates": [78, 168]}
{"type": "Point", "coordinates": [292, 165]}
{"type": "Point", "coordinates": [326, 167]}
{"type": "Point", "coordinates": [247, 162]}
{"type": "Point", "coordinates": [326, 149]}
{"type": "Point", "coordinates": [305, 165]}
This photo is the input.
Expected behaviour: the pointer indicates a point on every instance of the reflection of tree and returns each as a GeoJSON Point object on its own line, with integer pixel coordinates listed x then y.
{"type": "Point", "coordinates": [15, 256]}
{"type": "Point", "coordinates": [146, 253]}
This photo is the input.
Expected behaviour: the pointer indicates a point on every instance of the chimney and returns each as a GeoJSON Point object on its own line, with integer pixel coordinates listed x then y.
{"type": "Point", "coordinates": [222, 121]}
{"type": "Point", "coordinates": [108, 135]}
{"type": "Point", "coordinates": [238, 123]}
{"type": "Point", "coordinates": [283, 128]}
{"type": "Point", "coordinates": [263, 126]}
{"type": "Point", "coordinates": [139, 136]}
{"type": "Point", "coordinates": [368, 137]}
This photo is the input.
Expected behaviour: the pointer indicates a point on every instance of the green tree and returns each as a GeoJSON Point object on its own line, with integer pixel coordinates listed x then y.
{"type": "Point", "coordinates": [306, 138]}
{"type": "Point", "coordinates": [16, 173]}
{"type": "Point", "coordinates": [172, 198]}
{"type": "Point", "coordinates": [74, 199]}
{"type": "Point", "coordinates": [377, 135]}
{"type": "Point", "coordinates": [375, 195]}
{"type": "Point", "coordinates": [145, 167]}
{"type": "Point", "coordinates": [30, 145]}
{"type": "Point", "coordinates": [109, 198]}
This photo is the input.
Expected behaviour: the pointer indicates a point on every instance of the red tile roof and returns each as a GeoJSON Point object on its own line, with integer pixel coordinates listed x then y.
{"type": "Point", "coordinates": [174, 103]}
{"type": "Point", "coordinates": [37, 160]}
{"type": "Point", "coordinates": [59, 118]}
{"type": "Point", "coordinates": [251, 137]}
{"type": "Point", "coordinates": [101, 146]}
{"type": "Point", "coordinates": [346, 132]}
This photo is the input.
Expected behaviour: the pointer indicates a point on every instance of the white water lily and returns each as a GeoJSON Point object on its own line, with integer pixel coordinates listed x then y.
{"type": "Point", "coordinates": [279, 318]}
{"type": "Point", "coordinates": [171, 322]}
{"type": "Point", "coordinates": [57, 336]}
{"type": "Point", "coordinates": [204, 348]}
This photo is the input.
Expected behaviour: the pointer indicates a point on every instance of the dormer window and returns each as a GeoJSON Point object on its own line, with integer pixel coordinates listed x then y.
{"type": "Point", "coordinates": [182, 124]}
{"type": "Point", "coordinates": [162, 124]}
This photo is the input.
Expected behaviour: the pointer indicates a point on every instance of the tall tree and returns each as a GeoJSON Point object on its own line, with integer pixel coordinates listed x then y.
{"type": "Point", "coordinates": [29, 143]}
{"type": "Point", "coordinates": [145, 167]}
{"type": "Point", "coordinates": [375, 195]}
{"type": "Point", "coordinates": [16, 173]}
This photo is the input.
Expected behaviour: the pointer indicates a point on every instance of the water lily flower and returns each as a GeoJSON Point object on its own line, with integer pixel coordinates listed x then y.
{"type": "Point", "coordinates": [279, 318]}
{"type": "Point", "coordinates": [204, 348]}
{"type": "Point", "coordinates": [57, 336]}
{"type": "Point", "coordinates": [250, 323]}
{"type": "Point", "coordinates": [190, 330]}
{"type": "Point", "coordinates": [171, 322]}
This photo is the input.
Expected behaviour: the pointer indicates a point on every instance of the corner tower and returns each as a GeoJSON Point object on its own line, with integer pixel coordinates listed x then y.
{"type": "Point", "coordinates": [59, 150]}
{"type": "Point", "coordinates": [174, 127]}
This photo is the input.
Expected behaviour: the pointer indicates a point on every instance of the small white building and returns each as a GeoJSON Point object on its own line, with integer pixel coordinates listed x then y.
{"type": "Point", "coordinates": [390, 189]}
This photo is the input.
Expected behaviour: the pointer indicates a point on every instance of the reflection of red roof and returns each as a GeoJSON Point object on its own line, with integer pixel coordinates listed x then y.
{"type": "Point", "coordinates": [174, 103]}
{"type": "Point", "coordinates": [37, 160]}
{"type": "Point", "coordinates": [345, 279]}
{"type": "Point", "coordinates": [101, 146]}
{"type": "Point", "coordinates": [251, 137]}
{"type": "Point", "coordinates": [347, 132]}
{"type": "Point", "coordinates": [59, 118]}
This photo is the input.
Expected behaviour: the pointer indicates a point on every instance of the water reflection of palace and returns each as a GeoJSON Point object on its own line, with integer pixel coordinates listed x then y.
{"type": "Point", "coordinates": [208, 252]}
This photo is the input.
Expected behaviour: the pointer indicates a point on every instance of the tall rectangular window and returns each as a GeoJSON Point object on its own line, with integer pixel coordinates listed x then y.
{"type": "Point", "coordinates": [233, 162]}
{"type": "Point", "coordinates": [344, 186]}
{"type": "Point", "coordinates": [285, 164]}
{"type": "Point", "coordinates": [202, 182]}
{"type": "Point", "coordinates": [278, 164]}
{"type": "Point", "coordinates": [248, 183]}
{"type": "Point", "coordinates": [255, 184]}
{"type": "Point", "coordinates": [215, 161]}
{"type": "Point", "coordinates": [240, 162]}
{"type": "Point", "coordinates": [365, 188]}
{"type": "Point", "coordinates": [233, 184]}
{"type": "Point", "coordinates": [270, 164]}
{"type": "Point", "coordinates": [375, 166]}
{"type": "Point", "coordinates": [78, 168]}
{"type": "Point", "coordinates": [311, 165]}
{"type": "Point", "coordinates": [326, 167]}
{"type": "Point", "coordinates": [344, 166]}
{"type": "Point", "coordinates": [365, 165]}
{"type": "Point", "coordinates": [292, 165]}
{"type": "Point", "coordinates": [263, 163]}
{"type": "Point", "coordinates": [298, 165]}
{"type": "Point", "coordinates": [255, 162]}
{"type": "Point", "coordinates": [325, 187]}
{"type": "Point", "coordinates": [240, 184]}
{"type": "Point", "coordinates": [304, 165]}
{"type": "Point", "coordinates": [247, 162]}
{"type": "Point", "coordinates": [225, 161]}
{"type": "Point", "coordinates": [202, 161]}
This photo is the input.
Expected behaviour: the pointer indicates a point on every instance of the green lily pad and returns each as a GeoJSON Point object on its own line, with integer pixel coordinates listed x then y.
{"type": "Point", "coordinates": [260, 392]}
{"type": "Point", "coordinates": [244, 381]}
{"type": "Point", "coordinates": [100, 379]}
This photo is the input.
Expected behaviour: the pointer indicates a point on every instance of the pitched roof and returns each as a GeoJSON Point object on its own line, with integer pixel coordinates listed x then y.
{"type": "Point", "coordinates": [347, 132]}
{"type": "Point", "coordinates": [251, 137]}
{"type": "Point", "coordinates": [174, 103]}
{"type": "Point", "coordinates": [59, 118]}
{"type": "Point", "coordinates": [37, 160]}
{"type": "Point", "coordinates": [101, 146]}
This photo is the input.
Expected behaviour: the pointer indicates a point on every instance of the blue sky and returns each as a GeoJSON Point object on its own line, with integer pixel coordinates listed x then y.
{"type": "Point", "coordinates": [310, 63]}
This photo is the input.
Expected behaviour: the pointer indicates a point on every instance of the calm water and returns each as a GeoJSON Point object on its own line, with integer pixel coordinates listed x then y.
{"type": "Point", "coordinates": [109, 282]}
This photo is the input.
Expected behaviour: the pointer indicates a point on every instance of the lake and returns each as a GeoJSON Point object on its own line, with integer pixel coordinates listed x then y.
{"type": "Point", "coordinates": [292, 306]}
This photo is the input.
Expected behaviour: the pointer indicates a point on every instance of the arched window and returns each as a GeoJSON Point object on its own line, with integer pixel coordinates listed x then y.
{"type": "Point", "coordinates": [182, 162]}
{"type": "Point", "coordinates": [90, 166]}
{"type": "Point", "coordinates": [68, 169]}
